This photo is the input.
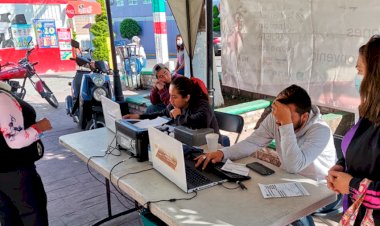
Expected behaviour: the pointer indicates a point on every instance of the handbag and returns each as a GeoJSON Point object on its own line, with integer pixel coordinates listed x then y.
{"type": "Point", "coordinates": [349, 216]}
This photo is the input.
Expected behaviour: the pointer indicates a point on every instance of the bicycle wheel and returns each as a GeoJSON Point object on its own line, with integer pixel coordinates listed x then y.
{"type": "Point", "coordinates": [49, 96]}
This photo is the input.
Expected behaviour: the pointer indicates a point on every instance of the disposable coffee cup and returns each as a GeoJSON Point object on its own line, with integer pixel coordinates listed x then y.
{"type": "Point", "coordinates": [212, 141]}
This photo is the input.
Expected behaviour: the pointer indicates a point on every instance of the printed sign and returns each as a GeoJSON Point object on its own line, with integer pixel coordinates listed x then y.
{"type": "Point", "coordinates": [21, 35]}
{"type": "Point", "coordinates": [64, 40]}
{"type": "Point", "coordinates": [46, 33]}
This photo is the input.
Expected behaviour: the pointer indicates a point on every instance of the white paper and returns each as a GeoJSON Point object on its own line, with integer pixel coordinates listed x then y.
{"type": "Point", "coordinates": [283, 190]}
{"type": "Point", "coordinates": [147, 123]}
{"type": "Point", "coordinates": [237, 168]}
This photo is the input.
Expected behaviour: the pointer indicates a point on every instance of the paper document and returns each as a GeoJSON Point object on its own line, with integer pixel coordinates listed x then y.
{"type": "Point", "coordinates": [147, 123]}
{"type": "Point", "coordinates": [237, 168]}
{"type": "Point", "coordinates": [282, 190]}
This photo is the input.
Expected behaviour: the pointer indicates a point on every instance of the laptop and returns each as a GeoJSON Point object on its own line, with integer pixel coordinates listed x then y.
{"type": "Point", "coordinates": [168, 159]}
{"type": "Point", "coordinates": [111, 112]}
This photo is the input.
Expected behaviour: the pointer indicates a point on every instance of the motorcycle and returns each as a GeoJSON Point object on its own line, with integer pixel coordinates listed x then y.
{"type": "Point", "coordinates": [24, 69]}
{"type": "Point", "coordinates": [90, 83]}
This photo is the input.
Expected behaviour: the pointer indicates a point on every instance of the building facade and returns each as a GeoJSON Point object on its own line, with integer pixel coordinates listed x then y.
{"type": "Point", "coordinates": [141, 11]}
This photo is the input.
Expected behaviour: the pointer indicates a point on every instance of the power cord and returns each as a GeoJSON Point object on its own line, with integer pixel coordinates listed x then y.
{"type": "Point", "coordinates": [110, 179]}
{"type": "Point", "coordinates": [169, 200]}
{"type": "Point", "coordinates": [109, 150]}
{"type": "Point", "coordinates": [239, 183]}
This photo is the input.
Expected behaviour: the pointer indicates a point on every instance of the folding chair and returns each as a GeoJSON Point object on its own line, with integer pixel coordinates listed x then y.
{"type": "Point", "coordinates": [230, 123]}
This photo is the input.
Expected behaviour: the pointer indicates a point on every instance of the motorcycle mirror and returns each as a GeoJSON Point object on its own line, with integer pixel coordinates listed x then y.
{"type": "Point", "coordinates": [74, 43]}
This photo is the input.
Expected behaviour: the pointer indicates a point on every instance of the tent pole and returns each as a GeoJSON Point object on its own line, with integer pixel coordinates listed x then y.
{"type": "Point", "coordinates": [189, 37]}
{"type": "Point", "coordinates": [116, 77]}
{"type": "Point", "coordinates": [210, 83]}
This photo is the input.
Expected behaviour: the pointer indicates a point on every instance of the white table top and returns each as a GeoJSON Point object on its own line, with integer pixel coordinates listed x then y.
{"type": "Point", "coordinates": [212, 206]}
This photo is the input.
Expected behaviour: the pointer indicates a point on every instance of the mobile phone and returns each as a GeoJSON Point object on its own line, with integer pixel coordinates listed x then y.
{"type": "Point", "coordinates": [260, 168]}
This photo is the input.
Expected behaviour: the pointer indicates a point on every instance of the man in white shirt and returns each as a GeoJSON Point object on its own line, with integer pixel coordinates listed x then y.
{"type": "Point", "coordinates": [304, 142]}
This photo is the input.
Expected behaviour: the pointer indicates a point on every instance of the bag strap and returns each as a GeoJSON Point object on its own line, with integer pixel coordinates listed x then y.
{"type": "Point", "coordinates": [349, 216]}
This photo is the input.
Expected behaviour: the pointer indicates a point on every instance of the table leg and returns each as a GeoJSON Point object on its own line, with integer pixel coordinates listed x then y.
{"type": "Point", "coordinates": [108, 191]}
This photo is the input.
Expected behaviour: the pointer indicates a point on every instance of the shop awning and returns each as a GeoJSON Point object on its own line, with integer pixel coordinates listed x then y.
{"type": "Point", "coordinates": [82, 8]}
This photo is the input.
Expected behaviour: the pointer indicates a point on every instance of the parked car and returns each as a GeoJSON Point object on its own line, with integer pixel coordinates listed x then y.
{"type": "Point", "coordinates": [217, 46]}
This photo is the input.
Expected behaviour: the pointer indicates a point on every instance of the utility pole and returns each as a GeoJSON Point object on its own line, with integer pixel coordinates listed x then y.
{"type": "Point", "coordinates": [116, 76]}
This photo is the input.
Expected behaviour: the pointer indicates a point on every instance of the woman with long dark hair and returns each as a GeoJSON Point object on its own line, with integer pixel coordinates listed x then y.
{"type": "Point", "coordinates": [188, 106]}
{"type": "Point", "coordinates": [356, 174]}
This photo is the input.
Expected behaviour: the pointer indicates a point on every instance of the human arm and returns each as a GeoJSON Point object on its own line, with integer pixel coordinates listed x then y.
{"type": "Point", "coordinates": [165, 112]}
{"type": "Point", "coordinates": [142, 52]}
{"type": "Point", "coordinates": [12, 124]}
{"type": "Point", "coordinates": [295, 155]}
{"type": "Point", "coordinates": [258, 139]}
{"type": "Point", "coordinates": [180, 62]}
{"type": "Point", "coordinates": [344, 183]}
{"type": "Point", "coordinates": [330, 177]}
{"type": "Point", "coordinates": [197, 116]}
{"type": "Point", "coordinates": [160, 94]}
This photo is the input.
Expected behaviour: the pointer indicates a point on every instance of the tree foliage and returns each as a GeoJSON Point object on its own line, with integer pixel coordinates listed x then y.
{"type": "Point", "coordinates": [101, 33]}
{"type": "Point", "coordinates": [129, 28]}
{"type": "Point", "coordinates": [215, 19]}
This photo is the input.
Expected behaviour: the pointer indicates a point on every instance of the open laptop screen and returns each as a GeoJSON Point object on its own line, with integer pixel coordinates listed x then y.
{"type": "Point", "coordinates": [167, 157]}
{"type": "Point", "coordinates": [111, 112]}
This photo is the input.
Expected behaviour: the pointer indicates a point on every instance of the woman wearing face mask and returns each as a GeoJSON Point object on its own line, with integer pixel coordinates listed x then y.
{"type": "Point", "coordinates": [356, 174]}
{"type": "Point", "coordinates": [360, 66]}
{"type": "Point", "coordinates": [180, 67]}
{"type": "Point", "coordinates": [188, 106]}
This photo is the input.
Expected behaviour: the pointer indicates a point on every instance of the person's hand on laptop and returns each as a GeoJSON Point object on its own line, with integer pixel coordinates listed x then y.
{"type": "Point", "coordinates": [131, 116]}
{"type": "Point", "coordinates": [214, 157]}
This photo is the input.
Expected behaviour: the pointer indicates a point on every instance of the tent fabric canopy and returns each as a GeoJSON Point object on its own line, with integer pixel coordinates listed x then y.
{"type": "Point", "coordinates": [178, 8]}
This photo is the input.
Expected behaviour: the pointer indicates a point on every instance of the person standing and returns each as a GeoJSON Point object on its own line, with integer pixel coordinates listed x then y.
{"type": "Point", "coordinates": [180, 66]}
{"type": "Point", "coordinates": [356, 175]}
{"type": "Point", "coordinates": [139, 51]}
{"type": "Point", "coordinates": [22, 196]}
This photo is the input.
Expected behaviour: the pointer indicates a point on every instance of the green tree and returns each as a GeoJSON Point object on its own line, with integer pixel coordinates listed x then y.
{"type": "Point", "coordinates": [129, 28]}
{"type": "Point", "coordinates": [215, 19]}
{"type": "Point", "coordinates": [101, 33]}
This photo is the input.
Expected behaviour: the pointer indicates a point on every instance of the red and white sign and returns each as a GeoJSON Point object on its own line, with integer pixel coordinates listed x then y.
{"type": "Point", "coordinates": [82, 8]}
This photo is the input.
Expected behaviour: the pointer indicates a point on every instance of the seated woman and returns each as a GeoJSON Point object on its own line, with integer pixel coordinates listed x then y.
{"type": "Point", "coordinates": [188, 106]}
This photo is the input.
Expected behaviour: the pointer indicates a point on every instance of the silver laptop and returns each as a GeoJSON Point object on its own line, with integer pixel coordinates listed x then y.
{"type": "Point", "coordinates": [168, 159]}
{"type": "Point", "coordinates": [111, 112]}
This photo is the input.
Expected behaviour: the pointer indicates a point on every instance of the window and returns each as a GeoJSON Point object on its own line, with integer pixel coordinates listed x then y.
{"type": "Point", "coordinates": [119, 2]}
{"type": "Point", "coordinates": [147, 1]}
{"type": "Point", "coordinates": [132, 2]}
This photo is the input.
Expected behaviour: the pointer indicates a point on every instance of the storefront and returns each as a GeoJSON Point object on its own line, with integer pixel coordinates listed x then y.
{"type": "Point", "coordinates": [48, 23]}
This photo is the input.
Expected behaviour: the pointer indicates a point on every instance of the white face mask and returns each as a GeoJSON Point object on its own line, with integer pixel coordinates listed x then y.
{"type": "Point", "coordinates": [358, 81]}
{"type": "Point", "coordinates": [179, 42]}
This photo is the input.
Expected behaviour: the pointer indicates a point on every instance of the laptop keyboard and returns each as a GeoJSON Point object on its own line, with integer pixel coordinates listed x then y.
{"type": "Point", "coordinates": [194, 178]}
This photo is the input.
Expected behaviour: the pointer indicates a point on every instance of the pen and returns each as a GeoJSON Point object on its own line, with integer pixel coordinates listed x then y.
{"type": "Point", "coordinates": [242, 186]}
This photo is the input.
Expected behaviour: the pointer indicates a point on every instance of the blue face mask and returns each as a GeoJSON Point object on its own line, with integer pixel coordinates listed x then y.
{"type": "Point", "coordinates": [358, 82]}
